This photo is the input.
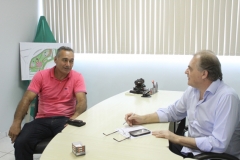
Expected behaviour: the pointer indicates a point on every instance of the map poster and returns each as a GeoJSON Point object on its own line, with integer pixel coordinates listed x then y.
{"type": "Point", "coordinates": [37, 56]}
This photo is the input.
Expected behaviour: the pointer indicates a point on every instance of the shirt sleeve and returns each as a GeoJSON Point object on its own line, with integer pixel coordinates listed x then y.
{"type": "Point", "coordinates": [35, 84]}
{"type": "Point", "coordinates": [226, 121]}
{"type": "Point", "coordinates": [80, 84]}
{"type": "Point", "coordinates": [174, 112]}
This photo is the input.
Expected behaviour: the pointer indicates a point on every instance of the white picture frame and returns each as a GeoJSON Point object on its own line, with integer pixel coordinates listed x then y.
{"type": "Point", "coordinates": [37, 56]}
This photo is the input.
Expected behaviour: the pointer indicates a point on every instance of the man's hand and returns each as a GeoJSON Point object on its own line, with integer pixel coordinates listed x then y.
{"type": "Point", "coordinates": [184, 141]}
{"type": "Point", "coordinates": [20, 112]}
{"type": "Point", "coordinates": [164, 134]}
{"type": "Point", "coordinates": [14, 132]}
{"type": "Point", "coordinates": [133, 119]}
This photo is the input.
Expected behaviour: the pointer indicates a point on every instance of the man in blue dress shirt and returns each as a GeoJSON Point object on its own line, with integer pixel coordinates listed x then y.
{"type": "Point", "coordinates": [211, 107]}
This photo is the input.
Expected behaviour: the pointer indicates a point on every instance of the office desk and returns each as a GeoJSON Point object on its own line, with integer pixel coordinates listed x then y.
{"type": "Point", "coordinates": [106, 117]}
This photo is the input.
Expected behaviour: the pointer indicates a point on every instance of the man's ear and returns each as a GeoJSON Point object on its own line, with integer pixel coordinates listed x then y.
{"type": "Point", "coordinates": [204, 74]}
{"type": "Point", "coordinates": [55, 59]}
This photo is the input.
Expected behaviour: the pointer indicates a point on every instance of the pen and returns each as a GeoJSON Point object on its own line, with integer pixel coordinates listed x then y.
{"type": "Point", "coordinates": [126, 121]}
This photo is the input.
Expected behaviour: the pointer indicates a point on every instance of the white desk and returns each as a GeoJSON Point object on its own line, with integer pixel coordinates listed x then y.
{"type": "Point", "coordinates": [106, 117]}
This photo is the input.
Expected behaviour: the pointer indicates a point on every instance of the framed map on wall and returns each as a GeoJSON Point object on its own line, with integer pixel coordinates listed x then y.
{"type": "Point", "coordinates": [37, 56]}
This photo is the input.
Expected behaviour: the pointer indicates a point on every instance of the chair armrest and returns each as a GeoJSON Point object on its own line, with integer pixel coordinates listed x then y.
{"type": "Point", "coordinates": [207, 155]}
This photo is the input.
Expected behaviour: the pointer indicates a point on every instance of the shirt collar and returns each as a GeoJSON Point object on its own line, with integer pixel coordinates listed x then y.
{"type": "Point", "coordinates": [214, 86]}
{"type": "Point", "coordinates": [52, 73]}
{"type": "Point", "coordinates": [211, 89]}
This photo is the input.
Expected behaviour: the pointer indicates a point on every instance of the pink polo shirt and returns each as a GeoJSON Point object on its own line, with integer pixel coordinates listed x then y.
{"type": "Point", "coordinates": [56, 97]}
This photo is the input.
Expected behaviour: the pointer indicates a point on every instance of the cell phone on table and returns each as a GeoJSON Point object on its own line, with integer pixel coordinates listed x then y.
{"type": "Point", "coordinates": [139, 132]}
{"type": "Point", "coordinates": [76, 122]}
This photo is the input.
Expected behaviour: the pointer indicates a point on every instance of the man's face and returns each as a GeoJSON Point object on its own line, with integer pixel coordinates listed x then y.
{"type": "Point", "coordinates": [193, 74]}
{"type": "Point", "coordinates": [64, 61]}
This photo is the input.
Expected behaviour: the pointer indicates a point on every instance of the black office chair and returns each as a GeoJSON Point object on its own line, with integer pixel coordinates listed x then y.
{"type": "Point", "coordinates": [182, 128]}
{"type": "Point", "coordinates": [43, 144]}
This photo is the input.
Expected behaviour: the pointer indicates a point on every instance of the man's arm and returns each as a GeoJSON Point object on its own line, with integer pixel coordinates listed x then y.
{"type": "Point", "coordinates": [20, 112]}
{"type": "Point", "coordinates": [225, 123]}
{"type": "Point", "coordinates": [151, 118]}
{"type": "Point", "coordinates": [81, 105]}
{"type": "Point", "coordinates": [184, 141]}
{"type": "Point", "coordinates": [134, 119]}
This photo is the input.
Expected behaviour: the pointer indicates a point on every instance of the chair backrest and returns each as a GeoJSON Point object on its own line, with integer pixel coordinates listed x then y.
{"type": "Point", "coordinates": [181, 127]}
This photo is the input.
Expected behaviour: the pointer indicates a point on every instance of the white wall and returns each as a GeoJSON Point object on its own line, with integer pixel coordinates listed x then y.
{"type": "Point", "coordinates": [18, 23]}
{"type": "Point", "coordinates": [107, 75]}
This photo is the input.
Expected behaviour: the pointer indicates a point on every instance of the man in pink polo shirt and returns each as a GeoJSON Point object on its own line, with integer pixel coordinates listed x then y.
{"type": "Point", "coordinates": [58, 88]}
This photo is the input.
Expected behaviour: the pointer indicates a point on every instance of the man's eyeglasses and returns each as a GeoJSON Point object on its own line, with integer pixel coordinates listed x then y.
{"type": "Point", "coordinates": [110, 133]}
{"type": "Point", "coordinates": [125, 134]}
{"type": "Point", "coordinates": [121, 139]}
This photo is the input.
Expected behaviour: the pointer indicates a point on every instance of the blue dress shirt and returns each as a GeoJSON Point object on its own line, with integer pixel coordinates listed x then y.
{"type": "Point", "coordinates": [214, 121]}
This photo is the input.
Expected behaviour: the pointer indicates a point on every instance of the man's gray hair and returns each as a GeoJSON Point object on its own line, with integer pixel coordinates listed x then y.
{"type": "Point", "coordinates": [65, 48]}
{"type": "Point", "coordinates": [209, 61]}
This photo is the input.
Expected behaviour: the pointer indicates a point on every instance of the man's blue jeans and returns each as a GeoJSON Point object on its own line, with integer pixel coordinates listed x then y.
{"type": "Point", "coordinates": [34, 132]}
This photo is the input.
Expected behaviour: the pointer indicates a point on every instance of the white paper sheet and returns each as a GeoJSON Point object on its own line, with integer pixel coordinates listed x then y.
{"type": "Point", "coordinates": [126, 129]}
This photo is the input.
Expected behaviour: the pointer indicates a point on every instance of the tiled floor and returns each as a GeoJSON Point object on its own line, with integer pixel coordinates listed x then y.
{"type": "Point", "coordinates": [7, 150]}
